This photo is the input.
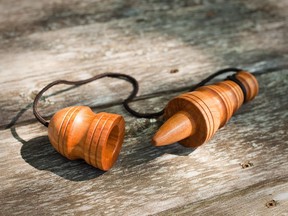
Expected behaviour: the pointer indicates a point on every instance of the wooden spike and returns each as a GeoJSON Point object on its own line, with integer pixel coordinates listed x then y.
{"type": "Point", "coordinates": [194, 117]}
{"type": "Point", "coordinates": [178, 127]}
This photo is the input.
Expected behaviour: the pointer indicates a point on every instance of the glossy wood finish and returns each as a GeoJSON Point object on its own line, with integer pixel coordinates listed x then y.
{"type": "Point", "coordinates": [194, 117]}
{"type": "Point", "coordinates": [77, 132]}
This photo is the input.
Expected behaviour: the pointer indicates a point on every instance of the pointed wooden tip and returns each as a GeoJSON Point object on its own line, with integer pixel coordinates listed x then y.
{"type": "Point", "coordinates": [176, 128]}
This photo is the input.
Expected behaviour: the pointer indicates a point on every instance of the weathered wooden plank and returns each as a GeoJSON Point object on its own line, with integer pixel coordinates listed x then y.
{"type": "Point", "coordinates": [45, 41]}
{"type": "Point", "coordinates": [255, 200]}
{"type": "Point", "coordinates": [71, 39]}
{"type": "Point", "coordinates": [30, 16]}
{"type": "Point", "coordinates": [147, 180]}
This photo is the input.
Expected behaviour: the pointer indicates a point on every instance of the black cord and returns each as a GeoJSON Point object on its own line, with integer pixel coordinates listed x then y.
{"type": "Point", "coordinates": [202, 83]}
{"type": "Point", "coordinates": [134, 92]}
{"type": "Point", "coordinates": [234, 79]}
{"type": "Point", "coordinates": [214, 75]}
{"type": "Point", "coordinates": [81, 82]}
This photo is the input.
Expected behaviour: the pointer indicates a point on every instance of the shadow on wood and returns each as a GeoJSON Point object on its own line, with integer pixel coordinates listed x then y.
{"type": "Point", "coordinates": [39, 153]}
{"type": "Point", "coordinates": [150, 153]}
{"type": "Point", "coordinates": [141, 151]}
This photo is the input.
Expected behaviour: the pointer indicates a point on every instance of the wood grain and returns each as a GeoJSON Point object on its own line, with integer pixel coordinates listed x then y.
{"type": "Point", "coordinates": [45, 41]}
{"type": "Point", "coordinates": [147, 180]}
{"type": "Point", "coordinates": [171, 43]}
{"type": "Point", "coordinates": [194, 117]}
{"type": "Point", "coordinates": [256, 198]}
{"type": "Point", "coordinates": [78, 133]}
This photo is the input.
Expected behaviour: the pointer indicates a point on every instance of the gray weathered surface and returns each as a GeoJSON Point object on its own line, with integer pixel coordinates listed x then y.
{"type": "Point", "coordinates": [47, 40]}
{"type": "Point", "coordinates": [56, 39]}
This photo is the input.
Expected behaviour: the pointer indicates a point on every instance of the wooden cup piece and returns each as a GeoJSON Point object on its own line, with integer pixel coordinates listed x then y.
{"type": "Point", "coordinates": [78, 133]}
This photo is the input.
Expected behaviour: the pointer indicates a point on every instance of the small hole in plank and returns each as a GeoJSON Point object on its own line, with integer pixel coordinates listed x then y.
{"type": "Point", "coordinates": [271, 204]}
{"type": "Point", "coordinates": [175, 70]}
{"type": "Point", "coordinates": [246, 164]}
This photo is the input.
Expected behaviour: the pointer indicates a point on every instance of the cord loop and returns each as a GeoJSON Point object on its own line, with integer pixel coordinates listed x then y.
{"type": "Point", "coordinates": [134, 92]}
{"type": "Point", "coordinates": [125, 77]}
{"type": "Point", "coordinates": [201, 83]}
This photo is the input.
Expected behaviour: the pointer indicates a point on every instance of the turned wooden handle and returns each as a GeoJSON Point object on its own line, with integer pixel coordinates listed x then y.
{"type": "Point", "coordinates": [77, 132]}
{"type": "Point", "coordinates": [194, 117]}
